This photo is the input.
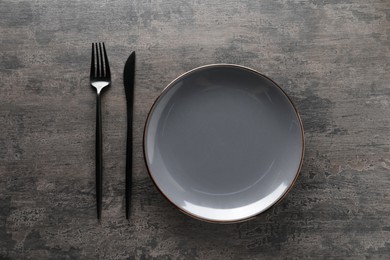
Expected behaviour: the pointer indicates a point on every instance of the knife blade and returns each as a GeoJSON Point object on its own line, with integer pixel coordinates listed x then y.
{"type": "Point", "coordinates": [128, 81]}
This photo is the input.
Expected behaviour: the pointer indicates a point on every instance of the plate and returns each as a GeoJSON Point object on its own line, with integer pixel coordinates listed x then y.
{"type": "Point", "coordinates": [223, 143]}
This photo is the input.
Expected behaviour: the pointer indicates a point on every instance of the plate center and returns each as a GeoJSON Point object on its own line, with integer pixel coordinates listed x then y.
{"type": "Point", "coordinates": [218, 140]}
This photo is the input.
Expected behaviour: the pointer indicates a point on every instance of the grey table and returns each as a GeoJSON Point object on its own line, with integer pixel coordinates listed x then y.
{"type": "Point", "coordinates": [332, 57]}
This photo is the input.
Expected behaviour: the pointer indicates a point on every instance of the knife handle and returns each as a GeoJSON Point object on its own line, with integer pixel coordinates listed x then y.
{"type": "Point", "coordinates": [129, 163]}
{"type": "Point", "coordinates": [99, 158]}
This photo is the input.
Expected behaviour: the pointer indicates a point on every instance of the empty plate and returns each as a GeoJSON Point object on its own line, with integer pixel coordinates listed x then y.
{"type": "Point", "coordinates": [223, 143]}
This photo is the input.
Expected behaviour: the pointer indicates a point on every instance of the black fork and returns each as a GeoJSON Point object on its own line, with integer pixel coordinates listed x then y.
{"type": "Point", "coordinates": [100, 78]}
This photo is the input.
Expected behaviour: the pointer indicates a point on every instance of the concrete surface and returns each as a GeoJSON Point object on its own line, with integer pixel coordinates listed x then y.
{"type": "Point", "coordinates": [332, 57]}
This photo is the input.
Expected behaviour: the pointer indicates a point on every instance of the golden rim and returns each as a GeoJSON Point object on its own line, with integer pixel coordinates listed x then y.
{"type": "Point", "coordinates": [165, 90]}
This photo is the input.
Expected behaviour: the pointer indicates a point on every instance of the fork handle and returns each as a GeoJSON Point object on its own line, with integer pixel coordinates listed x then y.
{"type": "Point", "coordinates": [99, 158]}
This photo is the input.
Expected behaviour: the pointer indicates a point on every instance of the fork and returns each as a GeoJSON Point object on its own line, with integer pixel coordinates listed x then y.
{"type": "Point", "coordinates": [100, 77]}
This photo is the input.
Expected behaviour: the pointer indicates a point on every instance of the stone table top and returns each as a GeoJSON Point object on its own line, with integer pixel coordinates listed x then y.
{"type": "Point", "coordinates": [332, 57]}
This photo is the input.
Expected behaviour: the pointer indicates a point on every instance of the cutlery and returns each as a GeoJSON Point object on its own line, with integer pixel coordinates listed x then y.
{"type": "Point", "coordinates": [100, 77]}
{"type": "Point", "coordinates": [128, 80]}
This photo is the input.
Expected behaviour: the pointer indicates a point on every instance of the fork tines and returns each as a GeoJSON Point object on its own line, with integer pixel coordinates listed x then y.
{"type": "Point", "coordinates": [99, 61]}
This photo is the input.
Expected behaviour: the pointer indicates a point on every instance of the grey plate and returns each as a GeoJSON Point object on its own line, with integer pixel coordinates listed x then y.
{"type": "Point", "coordinates": [223, 143]}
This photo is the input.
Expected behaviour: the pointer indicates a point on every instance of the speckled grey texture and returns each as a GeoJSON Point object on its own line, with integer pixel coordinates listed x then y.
{"type": "Point", "coordinates": [332, 57]}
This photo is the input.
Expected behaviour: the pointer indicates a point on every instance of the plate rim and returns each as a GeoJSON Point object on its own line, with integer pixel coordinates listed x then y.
{"type": "Point", "coordinates": [168, 87]}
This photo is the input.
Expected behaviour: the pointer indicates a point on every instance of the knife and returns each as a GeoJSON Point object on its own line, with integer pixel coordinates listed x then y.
{"type": "Point", "coordinates": [128, 81]}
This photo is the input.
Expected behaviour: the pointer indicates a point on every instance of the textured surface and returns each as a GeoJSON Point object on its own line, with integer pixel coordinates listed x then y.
{"type": "Point", "coordinates": [332, 57]}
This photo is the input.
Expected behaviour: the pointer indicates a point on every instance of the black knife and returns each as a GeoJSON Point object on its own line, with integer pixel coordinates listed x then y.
{"type": "Point", "coordinates": [128, 81]}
